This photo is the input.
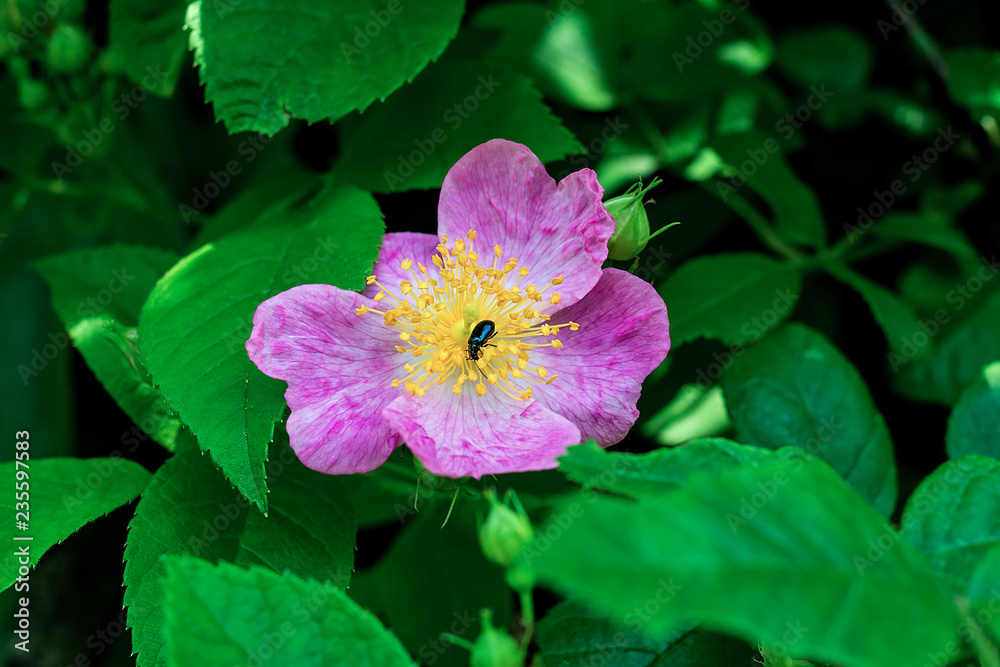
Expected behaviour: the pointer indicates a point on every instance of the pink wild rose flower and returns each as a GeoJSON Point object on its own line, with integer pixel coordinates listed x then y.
{"type": "Point", "coordinates": [572, 345]}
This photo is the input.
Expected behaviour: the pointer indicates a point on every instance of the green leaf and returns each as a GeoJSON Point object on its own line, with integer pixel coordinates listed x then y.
{"type": "Point", "coordinates": [196, 322]}
{"type": "Point", "coordinates": [661, 470]}
{"type": "Point", "coordinates": [765, 553]}
{"type": "Point", "coordinates": [959, 354]}
{"type": "Point", "coordinates": [262, 61]}
{"type": "Point", "coordinates": [310, 528]}
{"type": "Point", "coordinates": [759, 159]}
{"type": "Point", "coordinates": [190, 509]}
{"type": "Point", "coordinates": [435, 580]}
{"type": "Point", "coordinates": [148, 42]}
{"type": "Point", "coordinates": [896, 318]}
{"type": "Point", "coordinates": [953, 517]}
{"type": "Point", "coordinates": [833, 55]}
{"type": "Point", "coordinates": [974, 79]}
{"type": "Point", "coordinates": [222, 615]}
{"type": "Point", "coordinates": [926, 230]}
{"type": "Point", "coordinates": [974, 425]}
{"type": "Point", "coordinates": [64, 495]}
{"type": "Point", "coordinates": [572, 635]}
{"type": "Point", "coordinates": [984, 589]}
{"type": "Point", "coordinates": [796, 389]}
{"type": "Point", "coordinates": [407, 143]}
{"type": "Point", "coordinates": [735, 298]}
{"type": "Point", "coordinates": [98, 294]}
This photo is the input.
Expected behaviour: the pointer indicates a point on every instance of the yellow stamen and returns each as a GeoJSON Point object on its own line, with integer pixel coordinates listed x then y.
{"type": "Point", "coordinates": [440, 308]}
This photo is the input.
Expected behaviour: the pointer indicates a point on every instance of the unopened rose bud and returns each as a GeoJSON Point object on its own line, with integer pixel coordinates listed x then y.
{"type": "Point", "coordinates": [504, 532]}
{"type": "Point", "coordinates": [631, 223]}
{"type": "Point", "coordinates": [493, 647]}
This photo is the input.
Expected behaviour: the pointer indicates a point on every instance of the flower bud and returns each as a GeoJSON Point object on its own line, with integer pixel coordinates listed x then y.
{"type": "Point", "coordinates": [69, 49]}
{"type": "Point", "coordinates": [631, 223]}
{"type": "Point", "coordinates": [504, 532]}
{"type": "Point", "coordinates": [494, 648]}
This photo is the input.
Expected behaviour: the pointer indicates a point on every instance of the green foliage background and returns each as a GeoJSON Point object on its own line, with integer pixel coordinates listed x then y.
{"type": "Point", "coordinates": [814, 474]}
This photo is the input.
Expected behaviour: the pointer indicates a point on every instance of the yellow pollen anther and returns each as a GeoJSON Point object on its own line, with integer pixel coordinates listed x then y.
{"type": "Point", "coordinates": [448, 302]}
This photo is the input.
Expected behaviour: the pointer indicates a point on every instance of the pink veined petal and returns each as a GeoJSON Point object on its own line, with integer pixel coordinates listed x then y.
{"type": "Point", "coordinates": [502, 191]}
{"type": "Point", "coordinates": [395, 248]}
{"type": "Point", "coordinates": [338, 367]}
{"type": "Point", "coordinates": [624, 334]}
{"type": "Point", "coordinates": [467, 434]}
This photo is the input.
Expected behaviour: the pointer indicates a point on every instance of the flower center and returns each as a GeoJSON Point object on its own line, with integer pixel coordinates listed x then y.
{"type": "Point", "coordinates": [444, 315]}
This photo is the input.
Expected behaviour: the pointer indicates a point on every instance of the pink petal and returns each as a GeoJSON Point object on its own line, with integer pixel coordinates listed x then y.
{"type": "Point", "coordinates": [624, 334]}
{"type": "Point", "coordinates": [502, 191]}
{"type": "Point", "coordinates": [338, 367]}
{"type": "Point", "coordinates": [467, 434]}
{"type": "Point", "coordinates": [395, 248]}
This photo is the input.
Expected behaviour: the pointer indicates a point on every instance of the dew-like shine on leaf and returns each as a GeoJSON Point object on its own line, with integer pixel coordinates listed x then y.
{"type": "Point", "coordinates": [196, 322]}
{"type": "Point", "coordinates": [263, 62]}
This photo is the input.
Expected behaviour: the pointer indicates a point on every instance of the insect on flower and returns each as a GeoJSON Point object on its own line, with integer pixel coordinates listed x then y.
{"type": "Point", "coordinates": [488, 348]}
{"type": "Point", "coordinates": [481, 333]}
